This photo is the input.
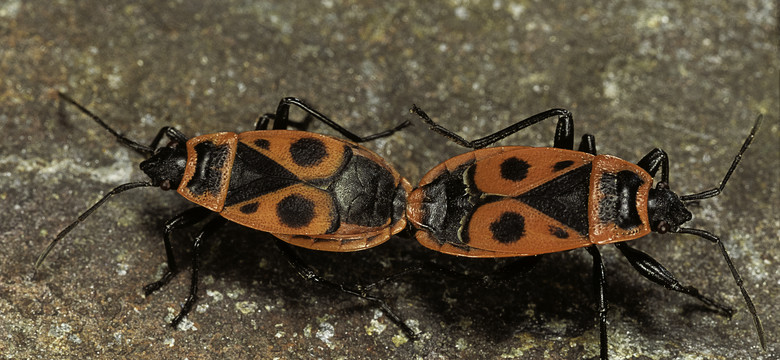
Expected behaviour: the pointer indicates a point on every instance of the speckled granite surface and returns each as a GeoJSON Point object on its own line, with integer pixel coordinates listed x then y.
{"type": "Point", "coordinates": [637, 75]}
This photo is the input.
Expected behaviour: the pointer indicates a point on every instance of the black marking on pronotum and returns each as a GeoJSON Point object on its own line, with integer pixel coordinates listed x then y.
{"type": "Point", "coordinates": [447, 201]}
{"type": "Point", "coordinates": [619, 203]}
{"type": "Point", "coordinates": [208, 169]}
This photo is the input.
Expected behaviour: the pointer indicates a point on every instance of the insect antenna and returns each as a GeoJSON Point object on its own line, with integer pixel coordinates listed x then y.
{"type": "Point", "coordinates": [141, 149]}
{"type": "Point", "coordinates": [737, 278]}
{"type": "Point", "coordinates": [116, 190]}
{"type": "Point", "coordinates": [709, 236]}
{"type": "Point", "coordinates": [717, 190]}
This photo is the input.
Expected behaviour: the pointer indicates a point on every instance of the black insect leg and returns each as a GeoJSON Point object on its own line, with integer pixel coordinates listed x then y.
{"type": "Point", "coordinates": [262, 121]}
{"type": "Point", "coordinates": [600, 285]}
{"type": "Point", "coordinates": [281, 121]}
{"type": "Point", "coordinates": [172, 134]}
{"type": "Point", "coordinates": [305, 271]}
{"type": "Point", "coordinates": [564, 133]}
{"type": "Point", "coordinates": [654, 160]}
{"type": "Point", "coordinates": [187, 218]}
{"type": "Point", "coordinates": [207, 231]}
{"type": "Point", "coordinates": [588, 144]}
{"type": "Point", "coordinates": [563, 136]}
{"type": "Point", "coordinates": [657, 273]}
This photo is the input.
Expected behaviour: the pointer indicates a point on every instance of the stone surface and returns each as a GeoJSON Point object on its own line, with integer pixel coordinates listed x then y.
{"type": "Point", "coordinates": [637, 75]}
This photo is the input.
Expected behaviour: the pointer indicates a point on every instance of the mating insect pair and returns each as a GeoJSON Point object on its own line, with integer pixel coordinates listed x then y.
{"type": "Point", "coordinates": [328, 194]}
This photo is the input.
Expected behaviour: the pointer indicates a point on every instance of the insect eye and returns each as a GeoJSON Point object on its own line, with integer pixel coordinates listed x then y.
{"type": "Point", "coordinates": [165, 185]}
{"type": "Point", "coordinates": [662, 227]}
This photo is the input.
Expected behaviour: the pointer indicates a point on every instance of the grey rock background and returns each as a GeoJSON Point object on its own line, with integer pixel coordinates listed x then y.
{"type": "Point", "coordinates": [636, 74]}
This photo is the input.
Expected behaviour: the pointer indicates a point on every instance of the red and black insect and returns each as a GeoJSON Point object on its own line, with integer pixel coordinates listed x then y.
{"type": "Point", "coordinates": [310, 190]}
{"type": "Point", "coordinates": [525, 201]}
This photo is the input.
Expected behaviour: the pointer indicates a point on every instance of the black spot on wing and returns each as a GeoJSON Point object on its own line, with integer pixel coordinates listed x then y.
{"type": "Point", "coordinates": [250, 208]}
{"type": "Point", "coordinates": [295, 211]}
{"type": "Point", "coordinates": [514, 169]}
{"type": "Point", "coordinates": [560, 165]}
{"type": "Point", "coordinates": [558, 232]}
{"type": "Point", "coordinates": [263, 144]}
{"type": "Point", "coordinates": [509, 228]}
{"type": "Point", "coordinates": [308, 152]}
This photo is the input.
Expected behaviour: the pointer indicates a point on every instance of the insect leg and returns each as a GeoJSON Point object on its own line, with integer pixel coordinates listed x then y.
{"type": "Point", "coordinates": [563, 131]}
{"type": "Point", "coordinates": [262, 121]}
{"type": "Point", "coordinates": [657, 273]}
{"type": "Point", "coordinates": [281, 121]}
{"type": "Point", "coordinates": [187, 218]}
{"type": "Point", "coordinates": [588, 144]}
{"type": "Point", "coordinates": [305, 271]}
{"type": "Point", "coordinates": [207, 231]}
{"type": "Point", "coordinates": [654, 160]}
{"type": "Point", "coordinates": [600, 284]}
{"type": "Point", "coordinates": [171, 133]}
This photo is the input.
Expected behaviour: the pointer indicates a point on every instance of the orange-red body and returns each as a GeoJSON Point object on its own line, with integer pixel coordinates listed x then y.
{"type": "Point", "coordinates": [522, 201]}
{"type": "Point", "coordinates": [308, 189]}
